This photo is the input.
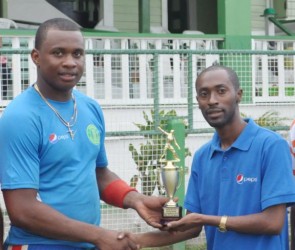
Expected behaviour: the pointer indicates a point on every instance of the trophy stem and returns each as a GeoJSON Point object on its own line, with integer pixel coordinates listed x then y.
{"type": "Point", "coordinates": [171, 203]}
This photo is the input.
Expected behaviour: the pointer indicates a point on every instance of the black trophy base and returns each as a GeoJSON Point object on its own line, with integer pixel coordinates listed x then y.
{"type": "Point", "coordinates": [171, 214]}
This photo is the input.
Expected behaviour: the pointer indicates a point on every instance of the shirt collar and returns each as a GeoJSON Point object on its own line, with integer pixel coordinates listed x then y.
{"type": "Point", "coordinates": [243, 142]}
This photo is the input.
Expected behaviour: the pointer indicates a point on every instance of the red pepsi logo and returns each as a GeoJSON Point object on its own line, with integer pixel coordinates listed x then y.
{"type": "Point", "coordinates": [53, 138]}
{"type": "Point", "coordinates": [240, 178]}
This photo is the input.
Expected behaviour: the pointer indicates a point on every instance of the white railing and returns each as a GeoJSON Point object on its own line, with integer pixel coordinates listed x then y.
{"type": "Point", "coordinates": [134, 70]}
{"type": "Point", "coordinates": [119, 77]}
{"type": "Point", "coordinates": [130, 78]}
{"type": "Point", "coordinates": [273, 72]}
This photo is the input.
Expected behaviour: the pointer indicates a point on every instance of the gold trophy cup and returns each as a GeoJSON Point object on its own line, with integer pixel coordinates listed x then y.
{"type": "Point", "coordinates": [170, 179]}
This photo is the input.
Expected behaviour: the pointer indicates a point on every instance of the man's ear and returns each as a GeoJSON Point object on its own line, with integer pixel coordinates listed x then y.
{"type": "Point", "coordinates": [35, 57]}
{"type": "Point", "coordinates": [239, 95]}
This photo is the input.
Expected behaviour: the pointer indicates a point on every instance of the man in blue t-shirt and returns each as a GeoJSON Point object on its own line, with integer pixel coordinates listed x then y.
{"type": "Point", "coordinates": [53, 161]}
{"type": "Point", "coordinates": [241, 181]}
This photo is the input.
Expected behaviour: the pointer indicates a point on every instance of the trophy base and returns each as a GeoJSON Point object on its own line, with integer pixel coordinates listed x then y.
{"type": "Point", "coordinates": [171, 214]}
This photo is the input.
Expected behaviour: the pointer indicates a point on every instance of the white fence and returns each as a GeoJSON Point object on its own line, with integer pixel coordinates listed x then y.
{"type": "Point", "coordinates": [273, 74]}
{"type": "Point", "coordinates": [128, 74]}
{"type": "Point", "coordinates": [113, 78]}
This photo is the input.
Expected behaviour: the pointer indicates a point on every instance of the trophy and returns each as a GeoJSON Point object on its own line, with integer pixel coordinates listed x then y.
{"type": "Point", "coordinates": [170, 178]}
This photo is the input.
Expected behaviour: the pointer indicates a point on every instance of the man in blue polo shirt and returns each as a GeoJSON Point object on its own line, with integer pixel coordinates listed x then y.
{"type": "Point", "coordinates": [241, 181]}
{"type": "Point", "coordinates": [292, 210]}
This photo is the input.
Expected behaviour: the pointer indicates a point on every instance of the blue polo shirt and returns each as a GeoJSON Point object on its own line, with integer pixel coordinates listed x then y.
{"type": "Point", "coordinates": [248, 177]}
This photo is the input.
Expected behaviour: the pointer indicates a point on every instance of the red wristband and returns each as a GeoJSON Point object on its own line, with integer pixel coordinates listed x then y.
{"type": "Point", "coordinates": [115, 192]}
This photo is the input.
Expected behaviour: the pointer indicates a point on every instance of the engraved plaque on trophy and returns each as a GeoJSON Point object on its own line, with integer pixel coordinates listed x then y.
{"type": "Point", "coordinates": [170, 179]}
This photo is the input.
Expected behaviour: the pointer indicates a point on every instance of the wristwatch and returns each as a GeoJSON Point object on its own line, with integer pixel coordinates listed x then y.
{"type": "Point", "coordinates": [222, 224]}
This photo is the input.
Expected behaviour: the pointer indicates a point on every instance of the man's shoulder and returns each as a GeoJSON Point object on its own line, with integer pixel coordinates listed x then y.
{"type": "Point", "coordinates": [87, 102]}
{"type": "Point", "coordinates": [268, 134]}
{"type": "Point", "coordinates": [204, 149]}
{"type": "Point", "coordinates": [84, 98]}
{"type": "Point", "coordinates": [24, 105]}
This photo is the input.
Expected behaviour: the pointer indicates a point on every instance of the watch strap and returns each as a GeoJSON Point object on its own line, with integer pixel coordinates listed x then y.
{"type": "Point", "coordinates": [222, 224]}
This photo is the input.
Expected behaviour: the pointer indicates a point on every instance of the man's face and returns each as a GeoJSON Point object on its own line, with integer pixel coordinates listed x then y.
{"type": "Point", "coordinates": [60, 60]}
{"type": "Point", "coordinates": [217, 98]}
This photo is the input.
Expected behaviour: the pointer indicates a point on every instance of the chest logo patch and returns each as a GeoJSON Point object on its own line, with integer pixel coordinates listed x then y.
{"type": "Point", "coordinates": [93, 134]}
{"type": "Point", "coordinates": [242, 179]}
{"type": "Point", "coordinates": [52, 138]}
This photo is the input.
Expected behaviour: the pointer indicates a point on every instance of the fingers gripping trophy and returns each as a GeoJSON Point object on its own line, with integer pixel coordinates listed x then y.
{"type": "Point", "coordinates": [170, 177]}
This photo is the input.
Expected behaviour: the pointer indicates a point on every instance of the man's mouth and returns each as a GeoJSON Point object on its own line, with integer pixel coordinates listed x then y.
{"type": "Point", "coordinates": [214, 112]}
{"type": "Point", "coordinates": [68, 76]}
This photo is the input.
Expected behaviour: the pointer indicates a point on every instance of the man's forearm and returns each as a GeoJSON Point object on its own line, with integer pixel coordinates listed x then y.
{"type": "Point", "coordinates": [131, 199]}
{"type": "Point", "coordinates": [41, 219]}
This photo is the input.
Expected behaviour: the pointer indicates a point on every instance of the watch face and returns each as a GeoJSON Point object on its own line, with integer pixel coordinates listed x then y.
{"type": "Point", "coordinates": [222, 224]}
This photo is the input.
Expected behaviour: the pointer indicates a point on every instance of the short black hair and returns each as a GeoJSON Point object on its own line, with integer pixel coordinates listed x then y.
{"type": "Point", "coordinates": [232, 75]}
{"type": "Point", "coordinates": [55, 23]}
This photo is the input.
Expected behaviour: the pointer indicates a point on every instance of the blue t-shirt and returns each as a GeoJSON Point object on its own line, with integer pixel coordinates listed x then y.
{"type": "Point", "coordinates": [248, 177]}
{"type": "Point", "coordinates": [37, 152]}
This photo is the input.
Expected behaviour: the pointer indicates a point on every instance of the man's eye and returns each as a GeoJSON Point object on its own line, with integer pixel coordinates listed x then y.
{"type": "Point", "coordinates": [221, 91]}
{"type": "Point", "coordinates": [78, 53]}
{"type": "Point", "coordinates": [57, 53]}
{"type": "Point", "coordinates": [203, 94]}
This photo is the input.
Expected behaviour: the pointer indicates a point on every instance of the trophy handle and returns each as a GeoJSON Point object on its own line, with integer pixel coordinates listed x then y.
{"type": "Point", "coordinates": [160, 182]}
{"type": "Point", "coordinates": [181, 176]}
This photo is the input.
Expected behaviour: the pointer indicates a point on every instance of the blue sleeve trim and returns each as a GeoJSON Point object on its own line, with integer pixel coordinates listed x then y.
{"type": "Point", "coordinates": [19, 186]}
{"type": "Point", "coordinates": [289, 200]}
{"type": "Point", "coordinates": [191, 208]}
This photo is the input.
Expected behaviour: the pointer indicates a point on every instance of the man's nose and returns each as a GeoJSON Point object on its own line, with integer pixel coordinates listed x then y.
{"type": "Point", "coordinates": [213, 98]}
{"type": "Point", "coordinates": [69, 61]}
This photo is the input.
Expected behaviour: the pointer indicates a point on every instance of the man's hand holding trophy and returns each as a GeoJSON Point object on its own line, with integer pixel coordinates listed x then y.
{"type": "Point", "coordinates": [170, 177]}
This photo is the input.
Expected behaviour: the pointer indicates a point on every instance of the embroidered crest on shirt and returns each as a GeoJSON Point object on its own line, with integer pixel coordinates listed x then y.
{"type": "Point", "coordinates": [93, 134]}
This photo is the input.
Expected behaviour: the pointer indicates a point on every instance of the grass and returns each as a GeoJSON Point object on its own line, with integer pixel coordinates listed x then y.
{"type": "Point", "coordinates": [274, 91]}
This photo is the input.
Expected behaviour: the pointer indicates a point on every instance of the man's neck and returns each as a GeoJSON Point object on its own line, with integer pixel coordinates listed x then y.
{"type": "Point", "coordinates": [230, 133]}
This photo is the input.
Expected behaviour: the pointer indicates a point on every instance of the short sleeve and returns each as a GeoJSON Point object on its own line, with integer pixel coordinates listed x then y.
{"type": "Point", "coordinates": [192, 200]}
{"type": "Point", "coordinates": [19, 151]}
{"type": "Point", "coordinates": [278, 185]}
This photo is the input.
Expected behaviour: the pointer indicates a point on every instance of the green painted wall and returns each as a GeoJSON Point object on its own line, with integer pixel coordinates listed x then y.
{"type": "Point", "coordinates": [156, 12]}
{"type": "Point", "coordinates": [257, 22]}
{"type": "Point", "coordinates": [126, 14]}
{"type": "Point", "coordinates": [291, 9]}
{"type": "Point", "coordinates": [3, 8]}
{"type": "Point", "coordinates": [234, 21]}
{"type": "Point", "coordinates": [231, 13]}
